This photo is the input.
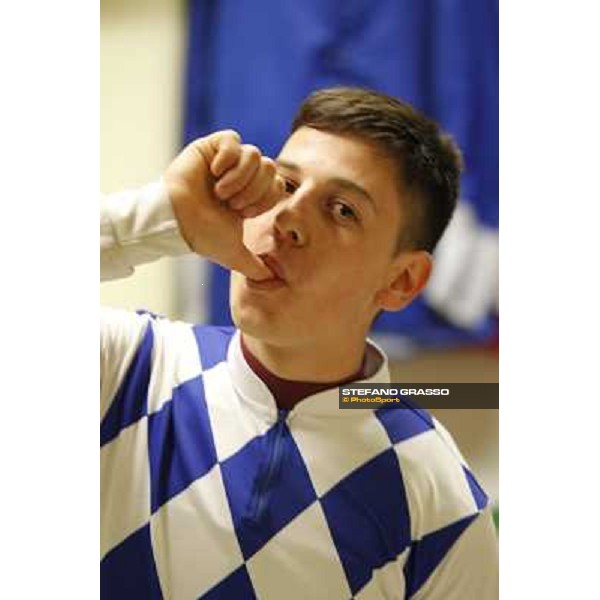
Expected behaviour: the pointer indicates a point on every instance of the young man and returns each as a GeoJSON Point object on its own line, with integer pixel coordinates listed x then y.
{"type": "Point", "coordinates": [228, 470]}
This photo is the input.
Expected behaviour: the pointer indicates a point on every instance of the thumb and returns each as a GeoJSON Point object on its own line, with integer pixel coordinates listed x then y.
{"type": "Point", "coordinates": [250, 265]}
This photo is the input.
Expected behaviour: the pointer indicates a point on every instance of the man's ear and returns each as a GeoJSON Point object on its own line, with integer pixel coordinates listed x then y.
{"type": "Point", "coordinates": [409, 274]}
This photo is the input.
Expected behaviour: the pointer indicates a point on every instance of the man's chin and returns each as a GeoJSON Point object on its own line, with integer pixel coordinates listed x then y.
{"type": "Point", "coordinates": [253, 321]}
{"type": "Point", "coordinates": [257, 315]}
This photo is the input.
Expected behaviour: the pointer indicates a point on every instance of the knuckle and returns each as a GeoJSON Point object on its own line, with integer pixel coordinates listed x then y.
{"type": "Point", "coordinates": [252, 151]}
{"type": "Point", "coordinates": [230, 151]}
{"type": "Point", "coordinates": [268, 166]}
{"type": "Point", "coordinates": [232, 134]}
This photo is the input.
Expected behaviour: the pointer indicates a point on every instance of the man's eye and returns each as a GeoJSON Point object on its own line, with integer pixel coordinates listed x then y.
{"type": "Point", "coordinates": [290, 186]}
{"type": "Point", "coordinates": [343, 211]}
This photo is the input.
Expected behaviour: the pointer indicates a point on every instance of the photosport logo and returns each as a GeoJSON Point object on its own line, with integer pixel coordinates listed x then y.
{"type": "Point", "coordinates": [423, 395]}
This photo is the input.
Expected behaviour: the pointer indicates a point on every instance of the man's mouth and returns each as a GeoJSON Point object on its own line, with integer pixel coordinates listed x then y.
{"type": "Point", "coordinates": [278, 279]}
{"type": "Point", "coordinates": [274, 266]}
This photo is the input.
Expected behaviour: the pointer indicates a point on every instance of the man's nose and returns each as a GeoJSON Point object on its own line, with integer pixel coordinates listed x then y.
{"type": "Point", "coordinates": [292, 220]}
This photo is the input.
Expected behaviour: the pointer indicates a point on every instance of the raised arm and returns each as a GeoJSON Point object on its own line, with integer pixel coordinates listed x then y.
{"type": "Point", "coordinates": [198, 205]}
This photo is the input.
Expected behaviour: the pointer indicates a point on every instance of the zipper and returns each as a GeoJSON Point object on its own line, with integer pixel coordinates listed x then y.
{"type": "Point", "coordinates": [260, 499]}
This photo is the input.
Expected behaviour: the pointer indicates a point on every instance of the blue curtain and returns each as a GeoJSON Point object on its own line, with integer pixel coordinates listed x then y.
{"type": "Point", "coordinates": [251, 62]}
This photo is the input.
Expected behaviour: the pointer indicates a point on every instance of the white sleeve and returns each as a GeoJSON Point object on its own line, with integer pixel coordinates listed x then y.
{"type": "Point", "coordinates": [121, 334]}
{"type": "Point", "coordinates": [136, 227]}
{"type": "Point", "coordinates": [470, 568]}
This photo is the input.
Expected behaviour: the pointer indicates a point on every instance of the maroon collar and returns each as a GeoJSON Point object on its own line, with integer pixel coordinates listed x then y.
{"type": "Point", "coordinates": [288, 393]}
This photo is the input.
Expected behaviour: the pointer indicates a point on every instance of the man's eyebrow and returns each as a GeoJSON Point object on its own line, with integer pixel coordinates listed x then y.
{"type": "Point", "coordinates": [339, 181]}
{"type": "Point", "coordinates": [287, 165]}
{"type": "Point", "coordinates": [346, 184]}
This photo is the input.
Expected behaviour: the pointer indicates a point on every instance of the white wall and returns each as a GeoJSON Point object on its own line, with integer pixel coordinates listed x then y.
{"type": "Point", "coordinates": [142, 56]}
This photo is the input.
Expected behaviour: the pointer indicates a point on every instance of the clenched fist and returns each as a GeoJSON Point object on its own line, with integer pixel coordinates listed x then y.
{"type": "Point", "coordinates": [214, 184]}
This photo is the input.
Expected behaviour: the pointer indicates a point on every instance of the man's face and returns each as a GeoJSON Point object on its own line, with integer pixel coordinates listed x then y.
{"type": "Point", "coordinates": [330, 241]}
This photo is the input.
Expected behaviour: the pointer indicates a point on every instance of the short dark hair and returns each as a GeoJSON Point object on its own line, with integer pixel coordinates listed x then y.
{"type": "Point", "coordinates": [429, 162]}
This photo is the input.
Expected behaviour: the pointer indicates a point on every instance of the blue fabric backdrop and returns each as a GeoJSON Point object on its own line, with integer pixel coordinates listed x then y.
{"type": "Point", "coordinates": [251, 62]}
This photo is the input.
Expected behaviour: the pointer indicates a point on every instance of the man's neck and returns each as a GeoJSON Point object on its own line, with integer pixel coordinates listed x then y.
{"type": "Point", "coordinates": [315, 364]}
